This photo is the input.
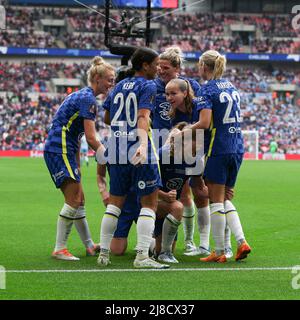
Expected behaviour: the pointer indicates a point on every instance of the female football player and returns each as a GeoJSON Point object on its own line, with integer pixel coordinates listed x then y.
{"type": "Point", "coordinates": [220, 114]}
{"type": "Point", "coordinates": [173, 175]}
{"type": "Point", "coordinates": [170, 63]}
{"type": "Point", "coordinates": [75, 117]}
{"type": "Point", "coordinates": [131, 103]}
{"type": "Point", "coordinates": [184, 107]}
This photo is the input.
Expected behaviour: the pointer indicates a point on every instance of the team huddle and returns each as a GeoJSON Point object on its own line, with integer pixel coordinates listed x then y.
{"type": "Point", "coordinates": [174, 145]}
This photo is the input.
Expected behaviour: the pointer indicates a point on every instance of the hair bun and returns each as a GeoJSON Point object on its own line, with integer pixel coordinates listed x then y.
{"type": "Point", "coordinates": [175, 49]}
{"type": "Point", "coordinates": [97, 61]}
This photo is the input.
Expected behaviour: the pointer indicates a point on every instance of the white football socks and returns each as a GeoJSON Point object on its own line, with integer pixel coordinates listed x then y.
{"type": "Point", "coordinates": [218, 224]}
{"type": "Point", "coordinates": [234, 222]}
{"type": "Point", "coordinates": [108, 227]}
{"type": "Point", "coordinates": [204, 226]}
{"type": "Point", "coordinates": [82, 228]}
{"type": "Point", "coordinates": [227, 237]}
{"type": "Point", "coordinates": [145, 227]}
{"type": "Point", "coordinates": [64, 226]}
{"type": "Point", "coordinates": [188, 223]}
{"type": "Point", "coordinates": [170, 228]}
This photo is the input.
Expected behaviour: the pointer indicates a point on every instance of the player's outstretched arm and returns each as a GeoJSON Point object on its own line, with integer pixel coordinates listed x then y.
{"type": "Point", "coordinates": [142, 126]}
{"type": "Point", "coordinates": [204, 120]}
{"type": "Point", "coordinates": [90, 134]}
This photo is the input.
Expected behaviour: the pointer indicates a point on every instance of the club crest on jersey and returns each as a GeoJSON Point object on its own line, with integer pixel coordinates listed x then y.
{"type": "Point", "coordinates": [164, 111]}
{"type": "Point", "coordinates": [174, 184]}
{"type": "Point", "coordinates": [93, 109]}
{"type": "Point", "coordinates": [141, 184]}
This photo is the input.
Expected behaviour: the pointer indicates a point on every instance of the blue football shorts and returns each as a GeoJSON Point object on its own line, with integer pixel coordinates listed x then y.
{"type": "Point", "coordinates": [61, 167]}
{"type": "Point", "coordinates": [223, 169]}
{"type": "Point", "coordinates": [143, 179]}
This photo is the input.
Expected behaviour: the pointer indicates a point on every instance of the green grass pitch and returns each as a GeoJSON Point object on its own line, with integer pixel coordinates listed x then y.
{"type": "Point", "coordinates": [267, 197]}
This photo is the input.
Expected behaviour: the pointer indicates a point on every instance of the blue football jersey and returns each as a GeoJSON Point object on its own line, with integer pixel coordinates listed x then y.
{"type": "Point", "coordinates": [173, 176]}
{"type": "Point", "coordinates": [161, 118]}
{"type": "Point", "coordinates": [123, 103]}
{"type": "Point", "coordinates": [67, 126]}
{"type": "Point", "coordinates": [225, 134]}
{"type": "Point", "coordinates": [189, 118]}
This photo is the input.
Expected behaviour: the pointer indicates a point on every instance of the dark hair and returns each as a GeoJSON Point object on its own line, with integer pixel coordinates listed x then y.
{"type": "Point", "coordinates": [123, 72]}
{"type": "Point", "coordinates": [142, 55]}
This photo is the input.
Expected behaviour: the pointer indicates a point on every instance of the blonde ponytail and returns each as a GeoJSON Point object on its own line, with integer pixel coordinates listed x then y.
{"type": "Point", "coordinates": [220, 65]}
{"type": "Point", "coordinates": [215, 62]}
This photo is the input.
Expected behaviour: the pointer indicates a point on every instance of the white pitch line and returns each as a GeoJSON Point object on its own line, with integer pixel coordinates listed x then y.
{"type": "Point", "coordinates": [147, 270]}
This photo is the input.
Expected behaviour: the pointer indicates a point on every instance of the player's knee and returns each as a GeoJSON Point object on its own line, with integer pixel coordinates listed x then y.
{"type": "Point", "coordinates": [118, 251]}
{"type": "Point", "coordinates": [187, 200]}
{"type": "Point", "coordinates": [201, 202]}
{"type": "Point", "coordinates": [118, 246]}
{"type": "Point", "coordinates": [200, 196]}
{"type": "Point", "coordinates": [177, 209]}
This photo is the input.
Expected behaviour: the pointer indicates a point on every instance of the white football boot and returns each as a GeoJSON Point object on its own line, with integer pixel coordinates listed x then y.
{"type": "Point", "coordinates": [167, 257]}
{"type": "Point", "coordinates": [149, 263]}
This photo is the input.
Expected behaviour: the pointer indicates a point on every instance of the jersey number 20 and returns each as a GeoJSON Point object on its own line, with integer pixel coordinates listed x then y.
{"type": "Point", "coordinates": [130, 100]}
{"type": "Point", "coordinates": [230, 99]}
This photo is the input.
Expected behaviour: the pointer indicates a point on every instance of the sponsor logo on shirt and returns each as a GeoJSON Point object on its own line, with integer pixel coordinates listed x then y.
{"type": "Point", "coordinates": [164, 112]}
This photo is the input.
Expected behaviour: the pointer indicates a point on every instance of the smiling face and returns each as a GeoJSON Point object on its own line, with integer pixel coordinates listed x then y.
{"type": "Point", "coordinates": [166, 71]}
{"type": "Point", "coordinates": [152, 68]}
{"type": "Point", "coordinates": [105, 83]}
{"type": "Point", "coordinates": [174, 95]}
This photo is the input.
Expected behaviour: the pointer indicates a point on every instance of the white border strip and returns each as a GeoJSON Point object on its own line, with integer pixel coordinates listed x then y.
{"type": "Point", "coordinates": [147, 270]}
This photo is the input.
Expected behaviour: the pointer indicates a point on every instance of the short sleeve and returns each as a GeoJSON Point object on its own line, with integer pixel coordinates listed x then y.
{"type": "Point", "coordinates": [204, 101]}
{"type": "Point", "coordinates": [88, 107]}
{"type": "Point", "coordinates": [147, 96]}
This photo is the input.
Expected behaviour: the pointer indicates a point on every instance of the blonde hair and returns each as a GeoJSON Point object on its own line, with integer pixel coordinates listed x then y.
{"type": "Point", "coordinates": [174, 55]}
{"type": "Point", "coordinates": [98, 66]}
{"type": "Point", "coordinates": [215, 62]}
{"type": "Point", "coordinates": [183, 85]}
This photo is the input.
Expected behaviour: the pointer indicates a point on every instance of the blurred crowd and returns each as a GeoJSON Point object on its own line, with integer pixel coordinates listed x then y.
{"type": "Point", "coordinates": [24, 120]}
{"type": "Point", "coordinates": [274, 119]}
{"type": "Point", "coordinates": [193, 32]}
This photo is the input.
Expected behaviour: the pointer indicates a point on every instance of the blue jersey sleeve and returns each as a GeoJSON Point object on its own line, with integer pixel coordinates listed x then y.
{"type": "Point", "coordinates": [147, 97]}
{"type": "Point", "coordinates": [205, 100]}
{"type": "Point", "coordinates": [88, 107]}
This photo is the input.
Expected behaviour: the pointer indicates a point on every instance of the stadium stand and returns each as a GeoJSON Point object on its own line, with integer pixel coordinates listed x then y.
{"type": "Point", "coordinates": [31, 94]}
{"type": "Point", "coordinates": [78, 28]}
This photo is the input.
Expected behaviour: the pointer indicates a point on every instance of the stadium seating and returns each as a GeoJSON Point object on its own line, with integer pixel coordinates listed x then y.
{"type": "Point", "coordinates": [28, 97]}
{"type": "Point", "coordinates": [79, 28]}
{"type": "Point", "coordinates": [29, 102]}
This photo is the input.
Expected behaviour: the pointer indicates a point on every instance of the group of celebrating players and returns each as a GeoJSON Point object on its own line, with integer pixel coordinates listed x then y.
{"type": "Point", "coordinates": [152, 102]}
